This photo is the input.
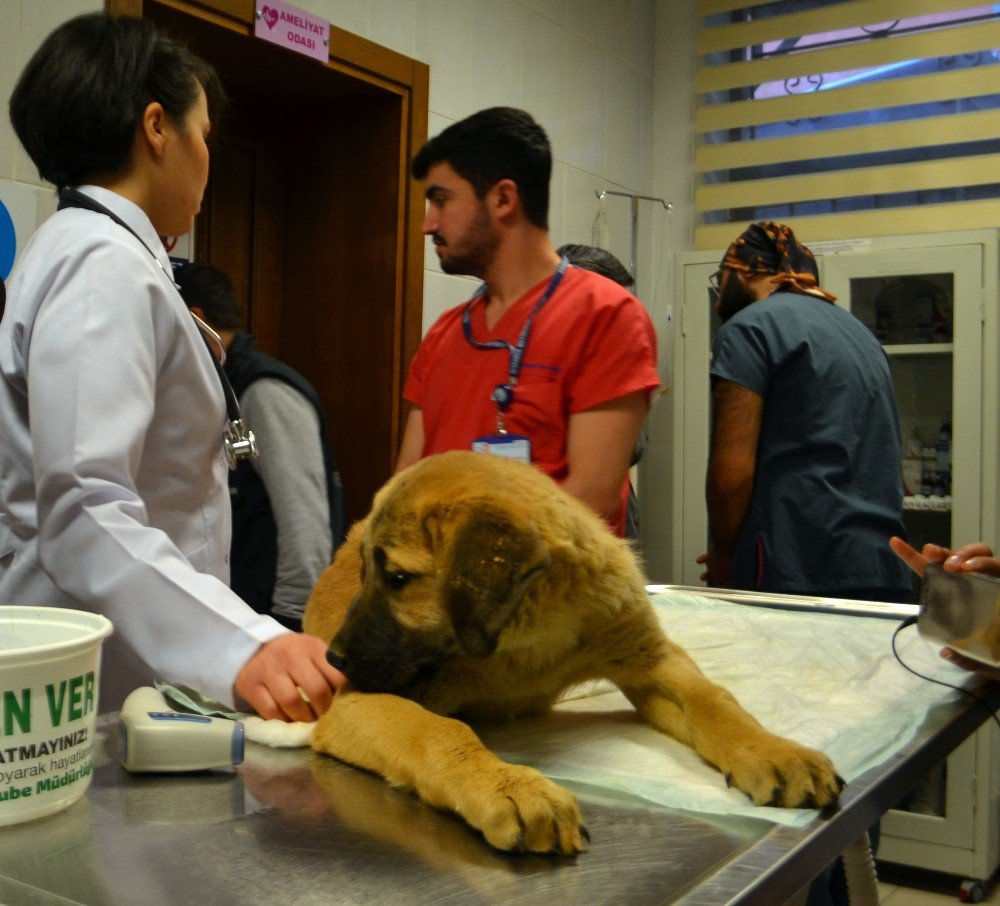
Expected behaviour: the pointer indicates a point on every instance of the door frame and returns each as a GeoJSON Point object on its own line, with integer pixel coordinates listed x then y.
{"type": "Point", "coordinates": [359, 58]}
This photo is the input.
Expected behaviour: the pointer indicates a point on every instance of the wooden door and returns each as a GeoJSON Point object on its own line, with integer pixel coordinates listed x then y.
{"type": "Point", "coordinates": [311, 212]}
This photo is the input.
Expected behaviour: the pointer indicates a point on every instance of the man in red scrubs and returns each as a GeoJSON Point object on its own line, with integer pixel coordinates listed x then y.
{"type": "Point", "coordinates": [547, 363]}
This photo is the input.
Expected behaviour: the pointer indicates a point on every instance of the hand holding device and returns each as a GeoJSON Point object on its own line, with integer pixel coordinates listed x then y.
{"type": "Point", "coordinates": [961, 610]}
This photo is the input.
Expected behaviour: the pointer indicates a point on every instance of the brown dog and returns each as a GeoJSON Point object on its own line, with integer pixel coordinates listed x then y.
{"type": "Point", "coordinates": [477, 587]}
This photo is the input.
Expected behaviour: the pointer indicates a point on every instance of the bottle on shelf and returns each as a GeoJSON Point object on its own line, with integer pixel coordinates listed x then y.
{"type": "Point", "coordinates": [912, 466]}
{"type": "Point", "coordinates": [942, 459]}
{"type": "Point", "coordinates": [928, 469]}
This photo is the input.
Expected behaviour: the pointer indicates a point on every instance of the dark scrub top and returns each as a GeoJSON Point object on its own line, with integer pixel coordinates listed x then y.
{"type": "Point", "coordinates": [827, 492]}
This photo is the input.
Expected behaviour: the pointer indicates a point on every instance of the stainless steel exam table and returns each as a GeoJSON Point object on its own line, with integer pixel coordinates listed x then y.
{"type": "Point", "coordinates": [291, 827]}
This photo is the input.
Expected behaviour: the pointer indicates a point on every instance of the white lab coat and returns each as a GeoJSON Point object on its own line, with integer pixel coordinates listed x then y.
{"type": "Point", "coordinates": [113, 490]}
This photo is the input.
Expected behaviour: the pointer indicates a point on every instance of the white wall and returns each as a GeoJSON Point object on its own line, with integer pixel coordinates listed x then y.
{"type": "Point", "coordinates": [673, 178]}
{"type": "Point", "coordinates": [24, 24]}
{"type": "Point", "coordinates": [582, 68]}
{"type": "Point", "coordinates": [612, 82]}
{"type": "Point", "coordinates": [616, 110]}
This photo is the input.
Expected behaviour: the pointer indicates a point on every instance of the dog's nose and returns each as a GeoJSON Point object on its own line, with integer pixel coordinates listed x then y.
{"type": "Point", "coordinates": [338, 661]}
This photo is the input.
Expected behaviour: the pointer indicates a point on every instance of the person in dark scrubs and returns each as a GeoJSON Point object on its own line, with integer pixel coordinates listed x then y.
{"type": "Point", "coordinates": [803, 488]}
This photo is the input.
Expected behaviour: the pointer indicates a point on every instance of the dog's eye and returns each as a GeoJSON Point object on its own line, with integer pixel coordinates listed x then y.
{"type": "Point", "coordinates": [397, 580]}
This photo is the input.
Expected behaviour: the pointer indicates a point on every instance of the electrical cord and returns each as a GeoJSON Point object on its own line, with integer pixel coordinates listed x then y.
{"type": "Point", "coordinates": [911, 621]}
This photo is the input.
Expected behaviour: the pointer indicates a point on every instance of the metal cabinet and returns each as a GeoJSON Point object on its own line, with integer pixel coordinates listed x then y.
{"type": "Point", "coordinates": [950, 822]}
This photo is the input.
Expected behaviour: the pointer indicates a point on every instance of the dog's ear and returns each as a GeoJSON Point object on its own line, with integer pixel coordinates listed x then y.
{"type": "Point", "coordinates": [491, 564]}
{"type": "Point", "coordinates": [335, 588]}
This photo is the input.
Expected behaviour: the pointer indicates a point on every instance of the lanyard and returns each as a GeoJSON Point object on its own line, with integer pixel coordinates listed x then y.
{"type": "Point", "coordinates": [238, 440]}
{"type": "Point", "coordinates": [503, 394]}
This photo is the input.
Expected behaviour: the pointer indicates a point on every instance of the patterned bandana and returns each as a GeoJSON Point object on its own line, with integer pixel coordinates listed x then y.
{"type": "Point", "coordinates": [771, 248]}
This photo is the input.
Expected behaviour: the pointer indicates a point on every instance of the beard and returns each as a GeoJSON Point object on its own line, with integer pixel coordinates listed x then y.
{"type": "Point", "coordinates": [472, 253]}
{"type": "Point", "coordinates": [734, 297]}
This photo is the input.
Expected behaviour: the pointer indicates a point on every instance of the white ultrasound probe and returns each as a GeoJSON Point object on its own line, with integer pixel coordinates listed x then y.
{"type": "Point", "coordinates": [154, 737]}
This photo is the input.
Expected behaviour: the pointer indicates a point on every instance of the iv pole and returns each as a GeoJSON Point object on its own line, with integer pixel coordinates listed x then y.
{"type": "Point", "coordinates": [635, 199]}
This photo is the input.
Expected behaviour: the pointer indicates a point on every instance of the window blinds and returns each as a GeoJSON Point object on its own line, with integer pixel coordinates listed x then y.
{"type": "Point", "coordinates": [852, 119]}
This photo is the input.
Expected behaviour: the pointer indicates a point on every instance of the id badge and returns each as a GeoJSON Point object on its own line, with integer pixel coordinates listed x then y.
{"type": "Point", "coordinates": [509, 446]}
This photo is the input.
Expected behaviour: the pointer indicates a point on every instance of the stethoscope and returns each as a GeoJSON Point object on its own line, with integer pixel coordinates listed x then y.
{"type": "Point", "coordinates": [503, 394]}
{"type": "Point", "coordinates": [238, 439]}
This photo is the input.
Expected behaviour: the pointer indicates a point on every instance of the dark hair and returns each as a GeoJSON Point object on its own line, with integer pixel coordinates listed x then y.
{"type": "Point", "coordinates": [206, 287]}
{"type": "Point", "coordinates": [79, 101]}
{"type": "Point", "coordinates": [494, 144]}
{"type": "Point", "coordinates": [601, 261]}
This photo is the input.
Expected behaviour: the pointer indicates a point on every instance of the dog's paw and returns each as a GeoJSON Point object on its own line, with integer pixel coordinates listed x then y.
{"type": "Point", "coordinates": [785, 774]}
{"type": "Point", "coordinates": [518, 809]}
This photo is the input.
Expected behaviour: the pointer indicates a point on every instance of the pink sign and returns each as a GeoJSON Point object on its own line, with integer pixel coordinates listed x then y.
{"type": "Point", "coordinates": [291, 27]}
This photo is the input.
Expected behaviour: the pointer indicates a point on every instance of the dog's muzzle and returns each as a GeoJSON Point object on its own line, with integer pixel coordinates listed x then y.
{"type": "Point", "coordinates": [377, 655]}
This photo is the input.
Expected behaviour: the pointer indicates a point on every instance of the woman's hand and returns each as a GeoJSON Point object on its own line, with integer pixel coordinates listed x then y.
{"type": "Point", "coordinates": [970, 558]}
{"type": "Point", "coordinates": [270, 681]}
{"type": "Point", "coordinates": [967, 663]}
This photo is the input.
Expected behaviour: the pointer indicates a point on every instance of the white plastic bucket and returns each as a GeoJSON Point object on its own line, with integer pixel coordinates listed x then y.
{"type": "Point", "coordinates": [50, 663]}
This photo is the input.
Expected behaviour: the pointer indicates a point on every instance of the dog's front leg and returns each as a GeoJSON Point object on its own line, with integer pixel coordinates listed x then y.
{"type": "Point", "coordinates": [443, 761]}
{"type": "Point", "coordinates": [675, 697]}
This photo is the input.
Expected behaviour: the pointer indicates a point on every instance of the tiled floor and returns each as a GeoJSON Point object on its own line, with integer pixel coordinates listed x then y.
{"type": "Point", "coordinates": [893, 895]}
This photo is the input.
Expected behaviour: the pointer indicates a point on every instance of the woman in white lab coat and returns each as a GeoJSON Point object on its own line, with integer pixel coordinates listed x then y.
{"type": "Point", "coordinates": [113, 493]}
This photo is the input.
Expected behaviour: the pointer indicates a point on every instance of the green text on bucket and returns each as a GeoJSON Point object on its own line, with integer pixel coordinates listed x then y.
{"type": "Point", "coordinates": [67, 700]}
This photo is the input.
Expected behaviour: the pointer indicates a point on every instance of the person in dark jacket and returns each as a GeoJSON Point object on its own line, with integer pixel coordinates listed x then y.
{"type": "Point", "coordinates": [288, 514]}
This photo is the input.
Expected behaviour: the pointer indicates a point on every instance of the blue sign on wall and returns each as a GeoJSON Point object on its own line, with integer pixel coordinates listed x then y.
{"type": "Point", "coordinates": [8, 241]}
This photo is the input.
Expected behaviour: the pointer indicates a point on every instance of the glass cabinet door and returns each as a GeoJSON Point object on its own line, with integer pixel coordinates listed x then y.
{"type": "Point", "coordinates": [924, 306]}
